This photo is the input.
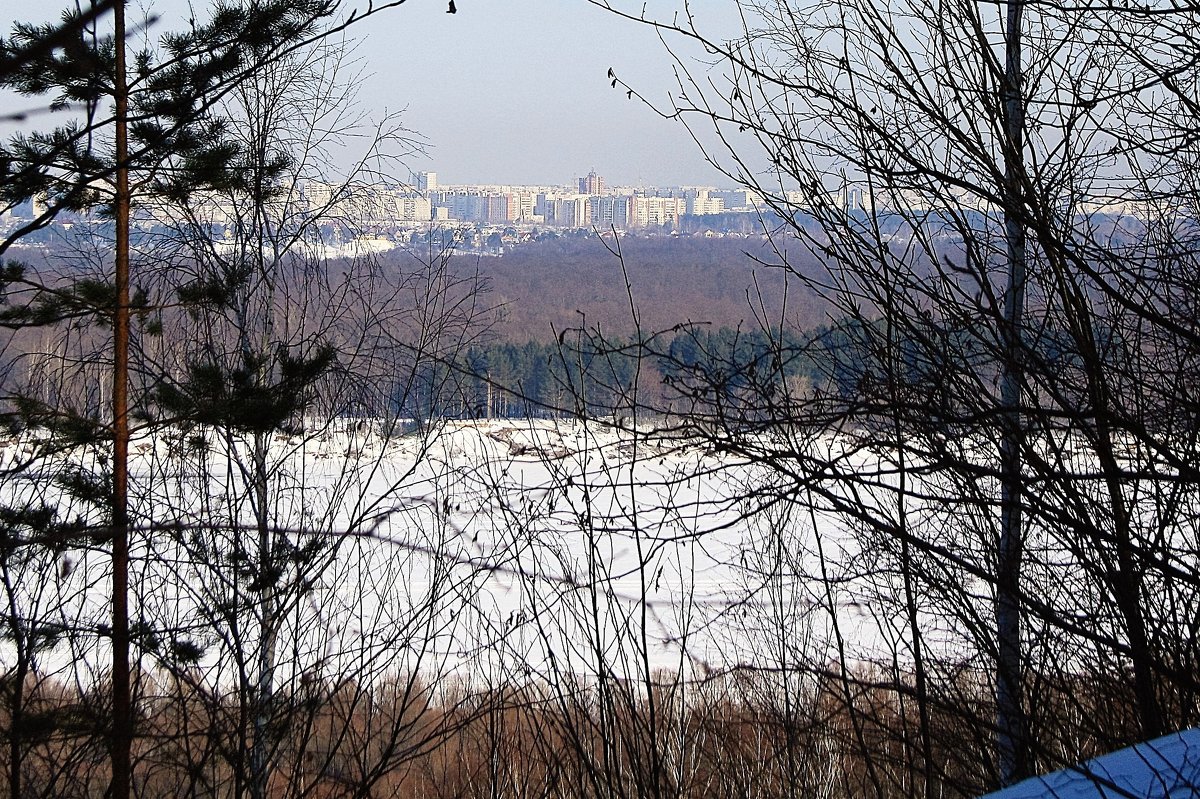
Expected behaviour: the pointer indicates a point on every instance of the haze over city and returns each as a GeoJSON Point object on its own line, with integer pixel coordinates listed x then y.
{"type": "Point", "coordinates": [502, 92]}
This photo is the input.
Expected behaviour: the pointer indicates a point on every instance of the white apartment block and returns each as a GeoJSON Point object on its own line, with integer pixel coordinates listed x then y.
{"type": "Point", "coordinates": [566, 211]}
{"type": "Point", "coordinates": [413, 209]}
{"type": "Point", "coordinates": [319, 194]}
{"type": "Point", "coordinates": [656, 211]}
{"type": "Point", "coordinates": [425, 181]}
{"type": "Point", "coordinates": [523, 205]}
{"type": "Point", "coordinates": [610, 211]}
{"type": "Point", "coordinates": [700, 202]}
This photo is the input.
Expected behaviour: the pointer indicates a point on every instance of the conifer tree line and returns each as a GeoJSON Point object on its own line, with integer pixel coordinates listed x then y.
{"type": "Point", "coordinates": [591, 374]}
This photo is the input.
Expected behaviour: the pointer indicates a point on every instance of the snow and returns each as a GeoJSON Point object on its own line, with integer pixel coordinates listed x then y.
{"type": "Point", "coordinates": [1164, 768]}
{"type": "Point", "coordinates": [485, 548]}
{"type": "Point", "coordinates": [538, 546]}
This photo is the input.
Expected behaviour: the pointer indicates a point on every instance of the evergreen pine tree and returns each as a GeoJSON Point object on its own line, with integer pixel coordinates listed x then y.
{"type": "Point", "coordinates": [140, 132]}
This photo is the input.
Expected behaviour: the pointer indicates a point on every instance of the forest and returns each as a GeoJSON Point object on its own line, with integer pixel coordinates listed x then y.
{"type": "Point", "coordinates": [545, 288]}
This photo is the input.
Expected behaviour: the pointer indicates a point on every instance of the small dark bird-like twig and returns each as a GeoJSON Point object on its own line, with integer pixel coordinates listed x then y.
{"type": "Point", "coordinates": [451, 9]}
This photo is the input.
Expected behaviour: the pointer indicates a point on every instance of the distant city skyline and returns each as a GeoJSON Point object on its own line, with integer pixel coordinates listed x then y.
{"type": "Point", "coordinates": [502, 92]}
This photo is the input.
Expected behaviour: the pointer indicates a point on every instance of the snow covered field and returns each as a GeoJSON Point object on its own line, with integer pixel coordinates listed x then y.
{"type": "Point", "coordinates": [497, 546]}
{"type": "Point", "coordinates": [496, 551]}
{"type": "Point", "coordinates": [500, 549]}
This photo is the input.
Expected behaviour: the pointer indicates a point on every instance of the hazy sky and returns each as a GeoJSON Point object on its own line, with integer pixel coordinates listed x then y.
{"type": "Point", "coordinates": [514, 91]}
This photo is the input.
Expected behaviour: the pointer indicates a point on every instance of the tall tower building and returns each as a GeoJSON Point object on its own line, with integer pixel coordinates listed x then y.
{"type": "Point", "coordinates": [592, 184]}
{"type": "Point", "coordinates": [425, 181]}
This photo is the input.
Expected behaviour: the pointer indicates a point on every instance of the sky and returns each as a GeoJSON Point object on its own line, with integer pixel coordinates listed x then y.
{"type": "Point", "coordinates": [513, 91]}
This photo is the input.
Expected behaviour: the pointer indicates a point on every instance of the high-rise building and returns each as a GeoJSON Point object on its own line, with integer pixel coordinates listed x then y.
{"type": "Point", "coordinates": [852, 198]}
{"type": "Point", "coordinates": [656, 211]}
{"type": "Point", "coordinates": [591, 184]}
{"type": "Point", "coordinates": [413, 209]}
{"type": "Point", "coordinates": [523, 205]}
{"type": "Point", "coordinates": [699, 202]}
{"type": "Point", "coordinates": [478, 204]}
{"type": "Point", "coordinates": [425, 181]}
{"type": "Point", "coordinates": [319, 195]}
{"type": "Point", "coordinates": [739, 198]}
{"type": "Point", "coordinates": [496, 208]}
{"type": "Point", "coordinates": [610, 211]}
{"type": "Point", "coordinates": [570, 211]}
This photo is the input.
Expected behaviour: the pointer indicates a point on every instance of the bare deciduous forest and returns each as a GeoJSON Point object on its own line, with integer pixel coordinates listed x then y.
{"type": "Point", "coordinates": [545, 288]}
{"type": "Point", "coordinates": [897, 500]}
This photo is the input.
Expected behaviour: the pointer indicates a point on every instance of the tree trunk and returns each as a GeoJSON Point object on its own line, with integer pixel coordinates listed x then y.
{"type": "Point", "coordinates": [269, 630]}
{"type": "Point", "coordinates": [122, 721]}
{"type": "Point", "coordinates": [1011, 723]}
